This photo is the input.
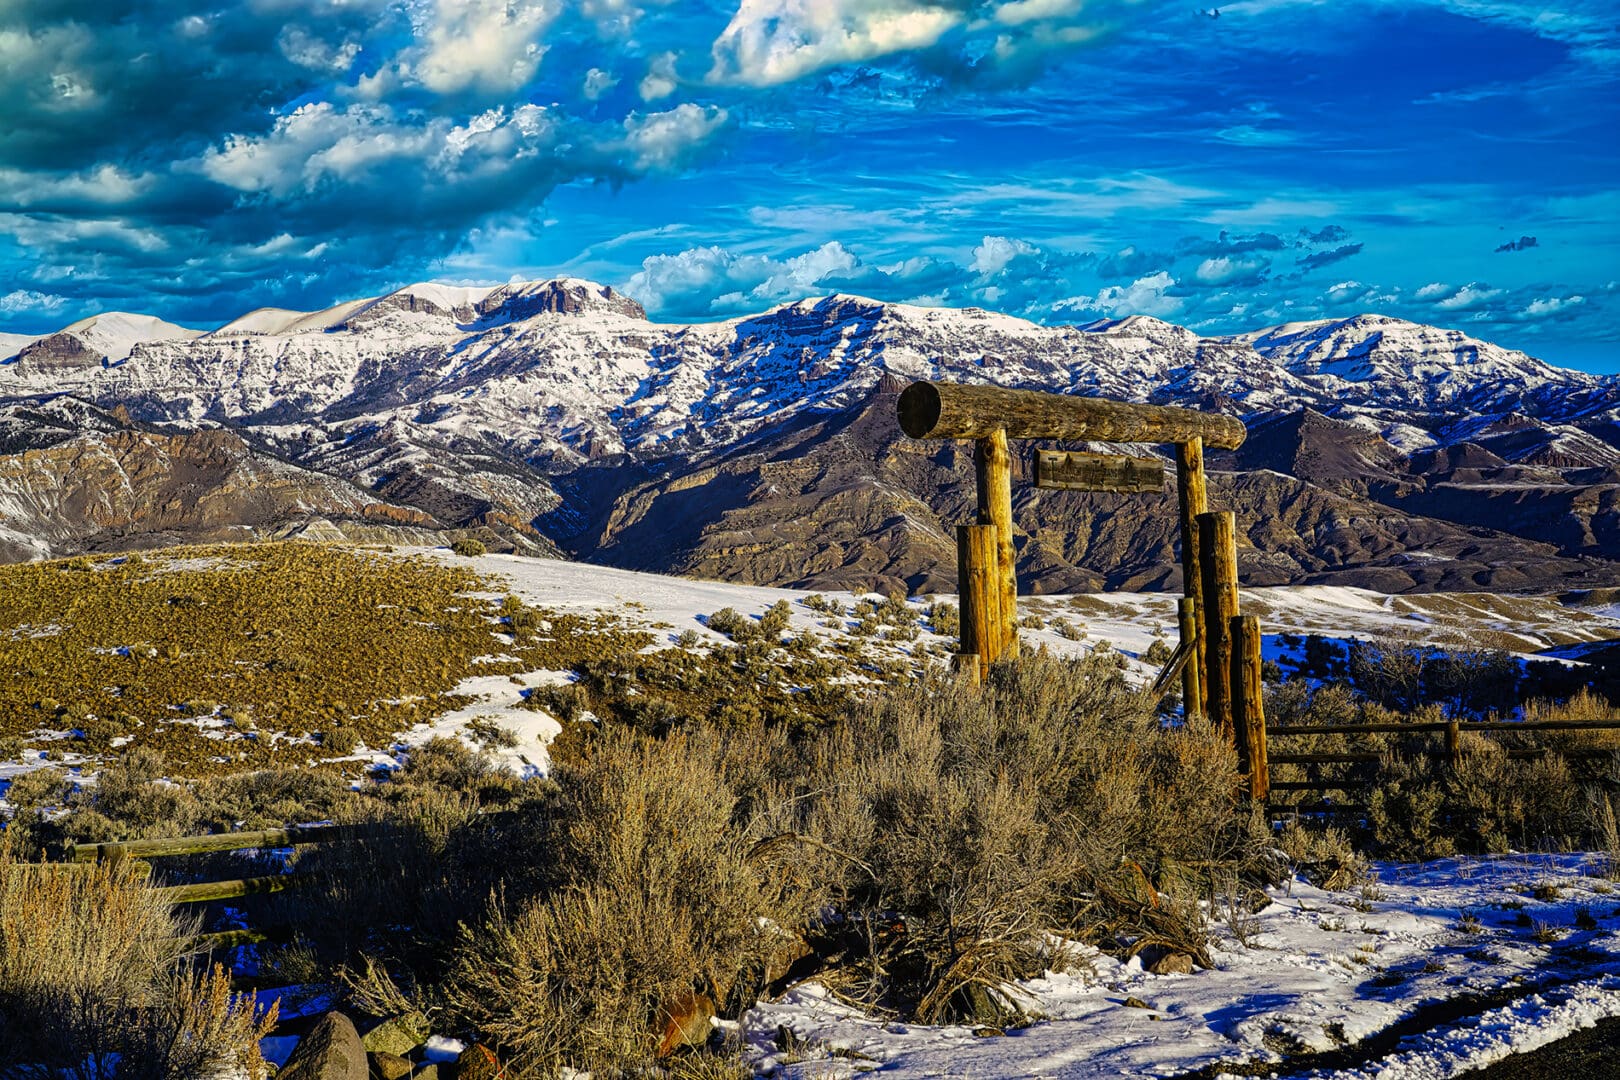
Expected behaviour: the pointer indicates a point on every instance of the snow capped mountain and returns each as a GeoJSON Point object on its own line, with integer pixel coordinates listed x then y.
{"type": "Point", "coordinates": [101, 339]}
{"type": "Point", "coordinates": [466, 402]}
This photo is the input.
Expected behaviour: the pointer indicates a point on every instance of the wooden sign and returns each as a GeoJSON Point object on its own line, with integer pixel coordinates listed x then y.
{"type": "Point", "coordinates": [1077, 471]}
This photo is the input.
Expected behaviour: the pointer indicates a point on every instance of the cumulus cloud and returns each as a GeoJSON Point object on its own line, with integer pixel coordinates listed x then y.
{"type": "Point", "coordinates": [1232, 270]}
{"type": "Point", "coordinates": [660, 81]}
{"type": "Point", "coordinates": [769, 42]}
{"type": "Point", "coordinates": [597, 83]}
{"type": "Point", "coordinates": [667, 140]}
{"type": "Point", "coordinates": [1473, 296]}
{"type": "Point", "coordinates": [712, 280]}
{"type": "Point", "coordinates": [488, 45]}
{"type": "Point", "coordinates": [1150, 295]}
{"type": "Point", "coordinates": [776, 41]}
{"type": "Point", "coordinates": [1551, 307]}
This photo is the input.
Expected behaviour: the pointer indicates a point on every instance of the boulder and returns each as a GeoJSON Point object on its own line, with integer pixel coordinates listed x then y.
{"type": "Point", "coordinates": [331, 1051]}
{"type": "Point", "coordinates": [478, 1062]}
{"type": "Point", "coordinates": [398, 1034]}
{"type": "Point", "coordinates": [386, 1066]}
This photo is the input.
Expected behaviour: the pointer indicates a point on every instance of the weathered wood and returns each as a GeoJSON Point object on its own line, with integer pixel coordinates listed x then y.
{"type": "Point", "coordinates": [981, 594]}
{"type": "Point", "coordinates": [203, 891]}
{"type": "Point", "coordinates": [227, 939]}
{"type": "Point", "coordinates": [1217, 554]}
{"type": "Point", "coordinates": [1172, 667]}
{"type": "Point", "coordinates": [1453, 742]}
{"type": "Point", "coordinates": [1248, 703]}
{"type": "Point", "coordinates": [1192, 687]}
{"type": "Point", "coordinates": [930, 410]}
{"type": "Point", "coordinates": [1193, 500]}
{"type": "Point", "coordinates": [1324, 759]}
{"type": "Point", "coordinates": [236, 841]}
{"type": "Point", "coordinates": [993, 463]}
{"type": "Point", "coordinates": [1442, 725]}
{"type": "Point", "coordinates": [1074, 470]}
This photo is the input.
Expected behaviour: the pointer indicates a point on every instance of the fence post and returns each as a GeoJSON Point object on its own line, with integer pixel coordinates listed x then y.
{"type": "Point", "coordinates": [1192, 500]}
{"type": "Point", "coordinates": [1248, 704]}
{"type": "Point", "coordinates": [1217, 553]}
{"type": "Point", "coordinates": [1453, 742]}
{"type": "Point", "coordinates": [980, 608]}
{"type": "Point", "coordinates": [1192, 688]}
{"type": "Point", "coordinates": [992, 462]}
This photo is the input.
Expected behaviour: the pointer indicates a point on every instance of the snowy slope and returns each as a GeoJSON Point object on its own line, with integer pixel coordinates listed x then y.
{"type": "Point", "coordinates": [573, 369]}
{"type": "Point", "coordinates": [115, 334]}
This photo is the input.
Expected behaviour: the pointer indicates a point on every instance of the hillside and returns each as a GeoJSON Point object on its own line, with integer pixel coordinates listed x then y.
{"type": "Point", "coordinates": [1384, 453]}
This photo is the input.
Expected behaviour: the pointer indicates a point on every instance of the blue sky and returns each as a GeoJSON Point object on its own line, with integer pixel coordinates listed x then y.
{"type": "Point", "coordinates": [1451, 161]}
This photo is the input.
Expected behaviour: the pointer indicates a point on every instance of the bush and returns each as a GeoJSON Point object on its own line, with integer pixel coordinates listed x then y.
{"type": "Point", "coordinates": [732, 624]}
{"type": "Point", "coordinates": [944, 618]}
{"type": "Point", "coordinates": [90, 985]}
{"type": "Point", "coordinates": [657, 895]}
{"type": "Point", "coordinates": [468, 547]}
{"type": "Point", "coordinates": [1157, 653]}
{"type": "Point", "coordinates": [775, 620]}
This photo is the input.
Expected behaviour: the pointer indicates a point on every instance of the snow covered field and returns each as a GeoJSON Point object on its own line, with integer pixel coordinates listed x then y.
{"type": "Point", "coordinates": [1314, 971]}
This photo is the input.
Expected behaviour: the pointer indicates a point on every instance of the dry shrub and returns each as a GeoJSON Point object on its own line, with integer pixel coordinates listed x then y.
{"type": "Point", "coordinates": [1049, 803]}
{"type": "Point", "coordinates": [656, 895]}
{"type": "Point", "coordinates": [91, 985]}
{"type": "Point", "coordinates": [1582, 707]}
{"type": "Point", "coordinates": [1326, 857]}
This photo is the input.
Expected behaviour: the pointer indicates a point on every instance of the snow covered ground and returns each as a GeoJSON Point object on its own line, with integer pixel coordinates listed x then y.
{"type": "Point", "coordinates": [1314, 971]}
{"type": "Point", "coordinates": [1071, 626]}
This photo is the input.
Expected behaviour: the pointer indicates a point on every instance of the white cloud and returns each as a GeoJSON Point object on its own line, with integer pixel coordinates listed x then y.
{"type": "Point", "coordinates": [660, 81]}
{"type": "Point", "coordinates": [29, 300]}
{"type": "Point", "coordinates": [320, 142]}
{"type": "Point", "coordinates": [1433, 290]}
{"type": "Point", "coordinates": [665, 140]}
{"type": "Point", "coordinates": [776, 41]}
{"type": "Point", "coordinates": [1551, 307]}
{"type": "Point", "coordinates": [1471, 297]}
{"type": "Point", "coordinates": [597, 82]}
{"type": "Point", "coordinates": [1145, 296]}
{"type": "Point", "coordinates": [487, 45]}
{"type": "Point", "coordinates": [1231, 269]}
{"type": "Point", "coordinates": [995, 253]}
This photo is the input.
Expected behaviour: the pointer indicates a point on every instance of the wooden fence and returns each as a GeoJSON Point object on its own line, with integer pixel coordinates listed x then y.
{"type": "Point", "coordinates": [209, 843]}
{"type": "Point", "coordinates": [1451, 747]}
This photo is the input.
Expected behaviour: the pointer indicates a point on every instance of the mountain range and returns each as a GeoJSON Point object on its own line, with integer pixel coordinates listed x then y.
{"type": "Point", "coordinates": [553, 417]}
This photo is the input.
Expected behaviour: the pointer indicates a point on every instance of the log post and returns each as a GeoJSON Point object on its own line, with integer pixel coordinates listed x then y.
{"type": "Point", "coordinates": [1193, 500]}
{"type": "Point", "coordinates": [1248, 704]}
{"type": "Point", "coordinates": [1454, 742]}
{"type": "Point", "coordinates": [1217, 553]}
{"type": "Point", "coordinates": [1192, 687]}
{"type": "Point", "coordinates": [930, 410]}
{"type": "Point", "coordinates": [993, 463]}
{"type": "Point", "coordinates": [981, 597]}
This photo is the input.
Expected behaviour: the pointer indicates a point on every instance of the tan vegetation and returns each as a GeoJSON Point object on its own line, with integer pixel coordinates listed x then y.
{"type": "Point", "coordinates": [91, 984]}
{"type": "Point", "coordinates": [230, 659]}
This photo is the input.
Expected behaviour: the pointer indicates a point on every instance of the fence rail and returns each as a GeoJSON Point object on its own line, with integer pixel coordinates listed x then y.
{"type": "Point", "coordinates": [1453, 731]}
{"type": "Point", "coordinates": [212, 842]}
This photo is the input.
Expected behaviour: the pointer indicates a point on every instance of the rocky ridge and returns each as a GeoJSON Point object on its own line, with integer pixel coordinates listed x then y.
{"type": "Point", "coordinates": [764, 448]}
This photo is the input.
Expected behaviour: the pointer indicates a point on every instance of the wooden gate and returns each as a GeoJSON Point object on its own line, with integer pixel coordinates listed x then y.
{"type": "Point", "coordinates": [1219, 652]}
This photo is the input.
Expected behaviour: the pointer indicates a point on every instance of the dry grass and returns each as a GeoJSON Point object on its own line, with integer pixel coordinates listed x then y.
{"type": "Point", "coordinates": [91, 984]}
{"type": "Point", "coordinates": [272, 649]}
